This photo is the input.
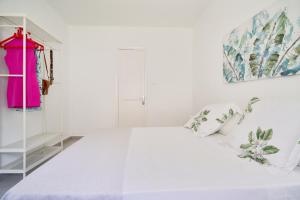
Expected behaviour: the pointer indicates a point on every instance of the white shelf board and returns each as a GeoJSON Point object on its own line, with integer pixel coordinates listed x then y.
{"type": "Point", "coordinates": [11, 75]}
{"type": "Point", "coordinates": [32, 143]}
{"type": "Point", "coordinates": [31, 27]}
{"type": "Point", "coordinates": [11, 171]}
{"type": "Point", "coordinates": [10, 26]}
{"type": "Point", "coordinates": [32, 160]}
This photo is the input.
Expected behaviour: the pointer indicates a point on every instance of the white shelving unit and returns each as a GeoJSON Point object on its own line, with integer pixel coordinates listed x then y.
{"type": "Point", "coordinates": [30, 151]}
{"type": "Point", "coordinates": [33, 143]}
{"type": "Point", "coordinates": [32, 160]}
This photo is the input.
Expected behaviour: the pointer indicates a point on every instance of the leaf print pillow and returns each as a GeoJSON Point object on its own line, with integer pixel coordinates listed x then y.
{"type": "Point", "coordinates": [238, 117]}
{"type": "Point", "coordinates": [257, 147]}
{"type": "Point", "coordinates": [274, 127]}
{"type": "Point", "coordinates": [211, 118]}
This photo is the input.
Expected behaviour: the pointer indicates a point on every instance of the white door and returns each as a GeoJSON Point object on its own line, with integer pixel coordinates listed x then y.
{"type": "Point", "coordinates": [131, 88]}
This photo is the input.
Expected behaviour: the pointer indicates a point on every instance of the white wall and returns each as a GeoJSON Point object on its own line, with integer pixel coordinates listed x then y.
{"type": "Point", "coordinates": [93, 62]}
{"type": "Point", "coordinates": [39, 11]}
{"type": "Point", "coordinates": [218, 19]}
{"type": "Point", "coordinates": [10, 121]}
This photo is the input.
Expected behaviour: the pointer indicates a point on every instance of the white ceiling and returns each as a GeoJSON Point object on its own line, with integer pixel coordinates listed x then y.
{"type": "Point", "coordinates": [176, 13]}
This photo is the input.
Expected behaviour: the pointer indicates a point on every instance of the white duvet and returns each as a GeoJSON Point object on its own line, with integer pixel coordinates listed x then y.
{"type": "Point", "coordinates": [153, 164]}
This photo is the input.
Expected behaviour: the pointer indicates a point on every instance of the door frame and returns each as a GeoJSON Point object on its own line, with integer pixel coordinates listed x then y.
{"type": "Point", "coordinates": [117, 118]}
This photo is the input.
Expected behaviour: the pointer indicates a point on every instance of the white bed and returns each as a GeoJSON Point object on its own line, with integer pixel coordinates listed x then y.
{"type": "Point", "coordinates": [153, 164]}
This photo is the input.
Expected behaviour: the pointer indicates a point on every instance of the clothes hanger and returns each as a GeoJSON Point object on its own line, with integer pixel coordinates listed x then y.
{"type": "Point", "coordinates": [19, 35]}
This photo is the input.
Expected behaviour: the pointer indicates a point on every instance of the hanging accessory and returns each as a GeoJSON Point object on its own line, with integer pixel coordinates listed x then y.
{"type": "Point", "coordinates": [51, 67]}
{"type": "Point", "coordinates": [46, 82]}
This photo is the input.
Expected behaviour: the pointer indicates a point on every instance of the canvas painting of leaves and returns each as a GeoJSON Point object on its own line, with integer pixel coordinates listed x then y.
{"type": "Point", "coordinates": [266, 46]}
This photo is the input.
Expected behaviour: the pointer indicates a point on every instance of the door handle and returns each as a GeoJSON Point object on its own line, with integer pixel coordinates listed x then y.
{"type": "Point", "coordinates": [143, 100]}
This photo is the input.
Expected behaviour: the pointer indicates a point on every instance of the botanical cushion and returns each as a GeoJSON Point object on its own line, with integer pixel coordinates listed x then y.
{"type": "Point", "coordinates": [211, 118]}
{"type": "Point", "coordinates": [238, 117]}
{"type": "Point", "coordinates": [270, 134]}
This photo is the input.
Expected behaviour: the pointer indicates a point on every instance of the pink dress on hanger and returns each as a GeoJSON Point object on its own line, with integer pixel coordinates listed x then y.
{"type": "Point", "coordinates": [14, 61]}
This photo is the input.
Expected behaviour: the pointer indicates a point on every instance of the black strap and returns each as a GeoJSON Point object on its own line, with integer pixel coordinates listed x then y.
{"type": "Point", "coordinates": [51, 66]}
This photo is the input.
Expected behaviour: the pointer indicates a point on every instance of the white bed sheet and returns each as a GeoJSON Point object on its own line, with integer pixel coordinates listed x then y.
{"type": "Point", "coordinates": [91, 169]}
{"type": "Point", "coordinates": [153, 164]}
{"type": "Point", "coordinates": [172, 163]}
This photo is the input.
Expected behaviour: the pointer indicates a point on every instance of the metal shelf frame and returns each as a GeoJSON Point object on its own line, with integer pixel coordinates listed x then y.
{"type": "Point", "coordinates": [29, 159]}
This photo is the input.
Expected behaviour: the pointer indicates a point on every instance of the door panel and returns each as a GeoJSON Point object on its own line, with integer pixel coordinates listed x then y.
{"type": "Point", "coordinates": [131, 86]}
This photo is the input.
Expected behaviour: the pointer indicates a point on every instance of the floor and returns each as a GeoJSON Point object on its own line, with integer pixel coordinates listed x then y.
{"type": "Point", "coordinates": [9, 180]}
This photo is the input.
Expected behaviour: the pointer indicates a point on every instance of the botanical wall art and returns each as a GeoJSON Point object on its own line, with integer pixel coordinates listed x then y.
{"type": "Point", "coordinates": [266, 46]}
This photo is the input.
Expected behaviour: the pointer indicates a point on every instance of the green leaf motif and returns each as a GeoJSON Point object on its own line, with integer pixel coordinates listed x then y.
{"type": "Point", "coordinates": [231, 112]}
{"type": "Point", "coordinates": [278, 39]}
{"type": "Point", "coordinates": [250, 137]}
{"type": "Point", "coordinates": [206, 112]}
{"type": "Point", "coordinates": [254, 100]}
{"type": "Point", "coordinates": [227, 116]}
{"type": "Point", "coordinates": [220, 121]}
{"type": "Point", "coordinates": [267, 27]}
{"type": "Point", "coordinates": [198, 120]}
{"type": "Point", "coordinates": [282, 32]}
{"type": "Point", "coordinates": [261, 160]}
{"type": "Point", "coordinates": [268, 135]}
{"type": "Point", "coordinates": [270, 149]}
{"type": "Point", "coordinates": [289, 61]}
{"type": "Point", "coordinates": [271, 63]}
{"type": "Point", "coordinates": [282, 23]}
{"type": "Point", "coordinates": [258, 147]}
{"type": "Point", "coordinates": [248, 108]}
{"type": "Point", "coordinates": [245, 146]}
{"type": "Point", "coordinates": [258, 133]}
{"type": "Point", "coordinates": [253, 63]}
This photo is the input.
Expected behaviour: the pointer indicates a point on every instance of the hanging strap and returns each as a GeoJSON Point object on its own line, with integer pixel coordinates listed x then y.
{"type": "Point", "coordinates": [51, 67]}
{"type": "Point", "coordinates": [45, 60]}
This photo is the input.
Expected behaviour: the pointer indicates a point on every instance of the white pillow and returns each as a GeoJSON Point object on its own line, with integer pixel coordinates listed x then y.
{"type": "Point", "coordinates": [211, 118]}
{"type": "Point", "coordinates": [284, 120]}
{"type": "Point", "coordinates": [238, 117]}
{"type": "Point", "coordinates": [230, 125]}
